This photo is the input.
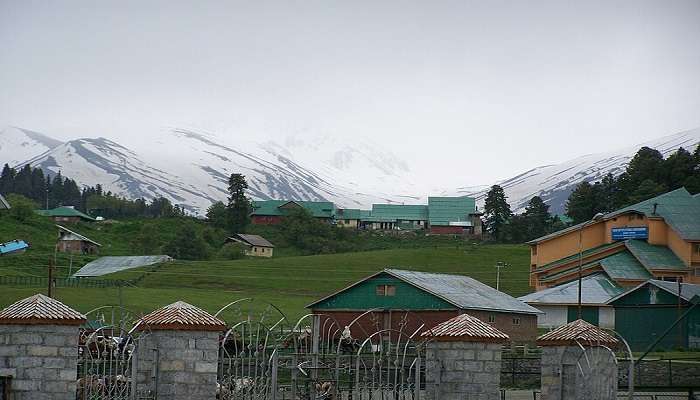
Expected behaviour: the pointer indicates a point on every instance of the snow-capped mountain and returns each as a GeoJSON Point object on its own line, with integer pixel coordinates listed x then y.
{"type": "Point", "coordinates": [554, 183]}
{"type": "Point", "coordinates": [18, 145]}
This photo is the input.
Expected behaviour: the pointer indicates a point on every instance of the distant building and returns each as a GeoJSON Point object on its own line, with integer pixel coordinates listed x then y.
{"type": "Point", "coordinates": [396, 217]}
{"type": "Point", "coordinates": [72, 242]}
{"type": "Point", "coordinates": [14, 247]}
{"type": "Point", "coordinates": [257, 246]}
{"type": "Point", "coordinates": [645, 312]}
{"type": "Point", "coordinates": [66, 214]}
{"type": "Point", "coordinates": [4, 205]}
{"type": "Point", "coordinates": [271, 212]}
{"type": "Point", "coordinates": [454, 215]}
{"type": "Point", "coordinates": [432, 298]}
{"type": "Point", "coordinates": [350, 217]}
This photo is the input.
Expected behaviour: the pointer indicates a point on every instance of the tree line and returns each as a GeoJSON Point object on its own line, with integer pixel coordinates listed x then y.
{"type": "Point", "coordinates": [647, 175]}
{"type": "Point", "coordinates": [50, 191]}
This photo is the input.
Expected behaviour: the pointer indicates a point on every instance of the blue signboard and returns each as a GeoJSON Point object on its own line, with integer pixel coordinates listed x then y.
{"type": "Point", "coordinates": [635, 232]}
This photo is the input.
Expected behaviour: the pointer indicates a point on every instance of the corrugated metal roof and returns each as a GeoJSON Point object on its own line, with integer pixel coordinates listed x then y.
{"type": "Point", "coordinates": [654, 257]}
{"type": "Point", "coordinates": [466, 328]}
{"type": "Point", "coordinates": [463, 291]}
{"type": "Point", "coordinates": [595, 289]}
{"type": "Point", "coordinates": [400, 211]}
{"type": "Point", "coordinates": [108, 265]}
{"type": "Point", "coordinates": [13, 246]}
{"type": "Point", "coordinates": [4, 205]}
{"type": "Point", "coordinates": [64, 212]}
{"type": "Point", "coordinates": [688, 290]}
{"type": "Point", "coordinates": [40, 310]}
{"type": "Point", "coordinates": [253, 240]}
{"type": "Point", "coordinates": [182, 316]}
{"type": "Point", "coordinates": [624, 266]}
{"type": "Point", "coordinates": [444, 210]}
{"type": "Point", "coordinates": [578, 331]}
{"type": "Point", "coordinates": [586, 253]}
{"type": "Point", "coordinates": [72, 235]}
{"type": "Point", "coordinates": [319, 209]}
{"type": "Point", "coordinates": [351, 213]}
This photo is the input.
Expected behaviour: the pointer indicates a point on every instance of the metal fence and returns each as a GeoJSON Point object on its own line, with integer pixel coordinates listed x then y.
{"type": "Point", "coordinates": [38, 281]}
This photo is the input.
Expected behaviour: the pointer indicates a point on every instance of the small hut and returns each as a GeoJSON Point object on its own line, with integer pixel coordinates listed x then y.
{"type": "Point", "coordinates": [257, 245]}
{"type": "Point", "coordinates": [73, 242]}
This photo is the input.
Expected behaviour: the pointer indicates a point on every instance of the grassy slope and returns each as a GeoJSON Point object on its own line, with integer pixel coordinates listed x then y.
{"type": "Point", "coordinates": [288, 282]}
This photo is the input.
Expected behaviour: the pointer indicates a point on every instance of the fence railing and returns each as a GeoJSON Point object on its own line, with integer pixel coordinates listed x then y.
{"type": "Point", "coordinates": [39, 281]}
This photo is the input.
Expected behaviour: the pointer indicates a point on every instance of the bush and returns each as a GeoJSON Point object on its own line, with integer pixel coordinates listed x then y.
{"type": "Point", "coordinates": [21, 208]}
{"type": "Point", "coordinates": [232, 251]}
{"type": "Point", "coordinates": [187, 244]}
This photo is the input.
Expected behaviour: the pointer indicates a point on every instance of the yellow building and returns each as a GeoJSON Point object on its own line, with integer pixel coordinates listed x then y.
{"type": "Point", "coordinates": [257, 246]}
{"type": "Point", "coordinates": [658, 238]}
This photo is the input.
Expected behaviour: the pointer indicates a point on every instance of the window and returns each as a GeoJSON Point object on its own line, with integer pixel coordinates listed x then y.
{"type": "Point", "coordinates": [386, 290]}
{"type": "Point", "coordinates": [697, 271]}
{"type": "Point", "coordinates": [534, 250]}
{"type": "Point", "coordinates": [347, 221]}
{"type": "Point", "coordinates": [255, 249]}
{"type": "Point", "coordinates": [516, 321]}
{"type": "Point", "coordinates": [492, 319]}
{"type": "Point", "coordinates": [696, 248]}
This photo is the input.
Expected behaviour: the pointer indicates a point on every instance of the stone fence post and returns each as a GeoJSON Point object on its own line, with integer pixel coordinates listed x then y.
{"type": "Point", "coordinates": [568, 373]}
{"type": "Point", "coordinates": [39, 348]}
{"type": "Point", "coordinates": [179, 353]}
{"type": "Point", "coordinates": [463, 361]}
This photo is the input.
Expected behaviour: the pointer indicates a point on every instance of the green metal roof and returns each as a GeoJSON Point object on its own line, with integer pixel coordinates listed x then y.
{"type": "Point", "coordinates": [64, 212]}
{"type": "Point", "coordinates": [688, 290]}
{"type": "Point", "coordinates": [624, 266]}
{"type": "Point", "coordinates": [556, 275]}
{"type": "Point", "coordinates": [586, 253]}
{"type": "Point", "coordinates": [443, 210]}
{"type": "Point", "coordinates": [319, 209]}
{"type": "Point", "coordinates": [654, 257]}
{"type": "Point", "coordinates": [351, 213]}
{"type": "Point", "coordinates": [400, 211]}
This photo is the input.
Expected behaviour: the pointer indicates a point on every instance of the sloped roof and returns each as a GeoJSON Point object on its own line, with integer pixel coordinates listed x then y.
{"type": "Point", "coordinates": [64, 212]}
{"type": "Point", "coordinates": [466, 328]}
{"type": "Point", "coordinates": [4, 205]}
{"type": "Point", "coordinates": [253, 240]}
{"type": "Point", "coordinates": [578, 331]}
{"type": "Point", "coordinates": [40, 310]}
{"type": "Point", "coordinates": [351, 213]}
{"type": "Point", "coordinates": [624, 266]}
{"type": "Point", "coordinates": [110, 264]}
{"type": "Point", "coordinates": [678, 208]}
{"type": "Point", "coordinates": [319, 209]}
{"type": "Point", "coordinates": [461, 291]}
{"type": "Point", "coordinates": [13, 246]}
{"type": "Point", "coordinates": [182, 316]}
{"type": "Point", "coordinates": [653, 256]}
{"type": "Point", "coordinates": [443, 210]}
{"type": "Point", "coordinates": [688, 290]}
{"type": "Point", "coordinates": [75, 236]}
{"type": "Point", "coordinates": [584, 254]}
{"type": "Point", "coordinates": [400, 211]}
{"type": "Point", "coordinates": [595, 289]}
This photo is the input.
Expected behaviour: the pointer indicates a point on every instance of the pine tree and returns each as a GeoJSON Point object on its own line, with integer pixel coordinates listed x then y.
{"type": "Point", "coordinates": [217, 215]}
{"type": "Point", "coordinates": [497, 213]}
{"type": "Point", "coordinates": [582, 204]}
{"type": "Point", "coordinates": [239, 206]}
{"type": "Point", "coordinates": [7, 179]}
{"type": "Point", "coordinates": [537, 218]}
{"type": "Point", "coordinates": [677, 168]}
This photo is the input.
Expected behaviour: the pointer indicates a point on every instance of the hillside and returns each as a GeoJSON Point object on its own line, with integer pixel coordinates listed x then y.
{"type": "Point", "coordinates": [287, 282]}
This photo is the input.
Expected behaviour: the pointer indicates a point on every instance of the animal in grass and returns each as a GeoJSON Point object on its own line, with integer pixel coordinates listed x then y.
{"type": "Point", "coordinates": [90, 386]}
{"type": "Point", "coordinates": [324, 390]}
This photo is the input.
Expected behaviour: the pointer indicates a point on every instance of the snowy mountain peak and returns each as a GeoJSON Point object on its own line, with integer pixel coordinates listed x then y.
{"type": "Point", "coordinates": [17, 145]}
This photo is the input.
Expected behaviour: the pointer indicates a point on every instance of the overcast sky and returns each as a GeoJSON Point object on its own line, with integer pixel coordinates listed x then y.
{"type": "Point", "coordinates": [482, 89]}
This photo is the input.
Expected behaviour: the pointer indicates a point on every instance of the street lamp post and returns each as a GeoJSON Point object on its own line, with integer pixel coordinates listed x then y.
{"type": "Point", "coordinates": [499, 265]}
{"type": "Point", "coordinates": [595, 219]}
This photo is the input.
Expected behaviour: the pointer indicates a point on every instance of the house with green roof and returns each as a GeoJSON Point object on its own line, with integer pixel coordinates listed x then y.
{"type": "Point", "coordinates": [454, 215]}
{"type": "Point", "coordinates": [271, 212]}
{"type": "Point", "coordinates": [66, 214]}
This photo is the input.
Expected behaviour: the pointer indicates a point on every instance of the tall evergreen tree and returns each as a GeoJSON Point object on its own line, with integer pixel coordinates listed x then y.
{"type": "Point", "coordinates": [582, 204]}
{"type": "Point", "coordinates": [7, 179]}
{"type": "Point", "coordinates": [239, 206]}
{"type": "Point", "coordinates": [677, 168]}
{"type": "Point", "coordinates": [537, 218]}
{"type": "Point", "coordinates": [497, 213]}
{"type": "Point", "coordinates": [217, 215]}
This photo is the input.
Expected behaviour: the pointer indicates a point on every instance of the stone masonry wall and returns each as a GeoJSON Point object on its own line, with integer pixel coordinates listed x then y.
{"type": "Point", "coordinates": [42, 359]}
{"type": "Point", "coordinates": [463, 371]}
{"type": "Point", "coordinates": [186, 364]}
{"type": "Point", "coordinates": [562, 377]}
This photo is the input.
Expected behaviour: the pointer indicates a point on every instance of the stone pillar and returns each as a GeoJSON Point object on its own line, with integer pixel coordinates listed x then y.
{"type": "Point", "coordinates": [463, 360]}
{"type": "Point", "coordinates": [568, 373]}
{"type": "Point", "coordinates": [179, 352]}
{"type": "Point", "coordinates": [39, 348]}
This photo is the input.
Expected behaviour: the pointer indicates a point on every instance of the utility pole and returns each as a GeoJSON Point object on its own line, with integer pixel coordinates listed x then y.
{"type": "Point", "coordinates": [499, 265]}
{"type": "Point", "coordinates": [51, 279]}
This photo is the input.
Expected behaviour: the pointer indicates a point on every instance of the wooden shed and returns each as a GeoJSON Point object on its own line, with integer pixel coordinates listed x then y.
{"type": "Point", "coordinates": [257, 246]}
{"type": "Point", "coordinates": [73, 242]}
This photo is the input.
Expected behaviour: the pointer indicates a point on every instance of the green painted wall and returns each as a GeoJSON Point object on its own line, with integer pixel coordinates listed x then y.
{"type": "Point", "coordinates": [643, 296]}
{"type": "Point", "coordinates": [363, 296]}
{"type": "Point", "coordinates": [589, 314]}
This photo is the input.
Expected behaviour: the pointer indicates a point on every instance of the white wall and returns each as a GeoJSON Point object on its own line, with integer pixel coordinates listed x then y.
{"type": "Point", "coordinates": [553, 316]}
{"type": "Point", "coordinates": [606, 317]}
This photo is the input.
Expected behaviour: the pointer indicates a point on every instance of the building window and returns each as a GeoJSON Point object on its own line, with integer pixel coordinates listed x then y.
{"type": "Point", "coordinates": [696, 248]}
{"type": "Point", "coordinates": [672, 278]}
{"type": "Point", "coordinates": [534, 250]}
{"type": "Point", "coordinates": [386, 290]}
{"type": "Point", "coordinates": [697, 271]}
{"type": "Point", "coordinates": [255, 249]}
{"type": "Point", "coordinates": [492, 319]}
{"type": "Point", "coordinates": [516, 321]}
{"type": "Point", "coordinates": [347, 221]}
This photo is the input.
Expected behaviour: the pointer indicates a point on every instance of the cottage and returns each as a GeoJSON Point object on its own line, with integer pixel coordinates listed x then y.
{"type": "Point", "coordinates": [72, 242]}
{"type": "Point", "coordinates": [66, 214]}
{"type": "Point", "coordinates": [4, 204]}
{"type": "Point", "coordinates": [271, 212]}
{"type": "Point", "coordinates": [658, 238]}
{"type": "Point", "coordinates": [433, 298]}
{"type": "Point", "coordinates": [644, 313]}
{"type": "Point", "coordinates": [257, 246]}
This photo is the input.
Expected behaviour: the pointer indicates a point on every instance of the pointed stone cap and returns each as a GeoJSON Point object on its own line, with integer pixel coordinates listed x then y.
{"type": "Point", "coordinates": [181, 316]}
{"type": "Point", "coordinates": [465, 328]}
{"type": "Point", "coordinates": [40, 310]}
{"type": "Point", "coordinates": [578, 331]}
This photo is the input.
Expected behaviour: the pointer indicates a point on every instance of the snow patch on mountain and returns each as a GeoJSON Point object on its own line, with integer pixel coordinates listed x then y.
{"type": "Point", "coordinates": [17, 145]}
